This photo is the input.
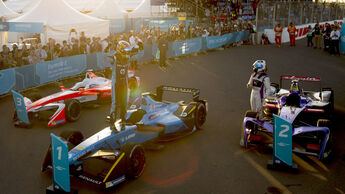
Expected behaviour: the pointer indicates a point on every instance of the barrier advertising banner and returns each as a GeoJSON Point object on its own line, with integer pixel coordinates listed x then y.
{"type": "Point", "coordinates": [300, 33]}
{"type": "Point", "coordinates": [7, 80]}
{"type": "Point", "coordinates": [60, 68]}
{"type": "Point", "coordinates": [213, 42]}
{"type": "Point", "coordinates": [187, 46]}
{"type": "Point", "coordinates": [26, 27]}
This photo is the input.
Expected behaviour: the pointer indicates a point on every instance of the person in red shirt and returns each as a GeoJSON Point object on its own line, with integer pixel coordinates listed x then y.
{"type": "Point", "coordinates": [292, 34]}
{"type": "Point", "coordinates": [278, 35]}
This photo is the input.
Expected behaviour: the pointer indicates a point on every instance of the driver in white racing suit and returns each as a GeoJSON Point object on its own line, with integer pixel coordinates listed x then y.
{"type": "Point", "coordinates": [260, 84]}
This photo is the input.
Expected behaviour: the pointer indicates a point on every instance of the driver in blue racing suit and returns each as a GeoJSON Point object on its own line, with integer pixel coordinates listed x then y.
{"type": "Point", "coordinates": [119, 87]}
{"type": "Point", "coordinates": [259, 82]}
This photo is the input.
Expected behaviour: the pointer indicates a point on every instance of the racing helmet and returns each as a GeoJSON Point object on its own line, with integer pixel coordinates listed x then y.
{"type": "Point", "coordinates": [123, 46]}
{"type": "Point", "coordinates": [259, 66]}
{"type": "Point", "coordinates": [294, 88]}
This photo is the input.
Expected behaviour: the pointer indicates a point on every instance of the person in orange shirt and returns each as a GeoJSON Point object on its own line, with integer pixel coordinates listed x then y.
{"type": "Point", "coordinates": [292, 34]}
{"type": "Point", "coordinates": [278, 35]}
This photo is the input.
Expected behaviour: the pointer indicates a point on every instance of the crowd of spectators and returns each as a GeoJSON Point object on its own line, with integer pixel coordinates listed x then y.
{"type": "Point", "coordinates": [330, 34]}
{"type": "Point", "coordinates": [220, 20]}
{"type": "Point", "coordinates": [78, 43]}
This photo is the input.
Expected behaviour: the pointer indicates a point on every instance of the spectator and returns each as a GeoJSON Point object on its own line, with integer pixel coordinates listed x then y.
{"type": "Point", "coordinates": [66, 50]}
{"type": "Point", "coordinates": [32, 58]}
{"type": "Point", "coordinates": [57, 51]}
{"type": "Point", "coordinates": [317, 35]}
{"type": "Point", "coordinates": [75, 47]}
{"type": "Point", "coordinates": [335, 36]}
{"type": "Point", "coordinates": [326, 37]}
{"type": "Point", "coordinates": [278, 35]}
{"type": "Point", "coordinates": [73, 34]}
{"type": "Point", "coordinates": [40, 53]}
{"type": "Point", "coordinates": [292, 32]}
{"type": "Point", "coordinates": [310, 34]}
{"type": "Point", "coordinates": [163, 49]}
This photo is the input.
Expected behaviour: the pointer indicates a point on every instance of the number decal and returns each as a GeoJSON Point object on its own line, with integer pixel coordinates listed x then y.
{"type": "Point", "coordinates": [59, 149]}
{"type": "Point", "coordinates": [286, 128]}
{"type": "Point", "coordinates": [19, 101]}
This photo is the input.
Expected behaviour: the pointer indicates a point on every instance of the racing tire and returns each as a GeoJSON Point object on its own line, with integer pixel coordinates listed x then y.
{"type": "Point", "coordinates": [21, 124]}
{"type": "Point", "coordinates": [72, 110]}
{"type": "Point", "coordinates": [47, 161]}
{"type": "Point", "coordinates": [330, 108]}
{"type": "Point", "coordinates": [135, 160]}
{"type": "Point", "coordinates": [276, 86]}
{"type": "Point", "coordinates": [327, 153]}
{"type": "Point", "coordinates": [73, 137]}
{"type": "Point", "coordinates": [200, 115]}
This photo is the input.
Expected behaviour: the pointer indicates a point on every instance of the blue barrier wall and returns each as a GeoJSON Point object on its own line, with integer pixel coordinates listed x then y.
{"type": "Point", "coordinates": [60, 68]}
{"type": "Point", "coordinates": [34, 75]}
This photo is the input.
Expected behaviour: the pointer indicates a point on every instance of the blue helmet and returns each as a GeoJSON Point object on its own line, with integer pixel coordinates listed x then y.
{"type": "Point", "coordinates": [259, 65]}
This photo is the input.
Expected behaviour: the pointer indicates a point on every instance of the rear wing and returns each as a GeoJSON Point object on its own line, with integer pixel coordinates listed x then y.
{"type": "Point", "coordinates": [292, 77]}
{"type": "Point", "coordinates": [160, 90]}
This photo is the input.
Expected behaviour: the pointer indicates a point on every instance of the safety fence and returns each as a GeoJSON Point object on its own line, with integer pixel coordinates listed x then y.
{"type": "Point", "coordinates": [301, 31]}
{"type": "Point", "coordinates": [35, 75]}
{"type": "Point", "coordinates": [270, 13]}
{"type": "Point", "coordinates": [126, 24]}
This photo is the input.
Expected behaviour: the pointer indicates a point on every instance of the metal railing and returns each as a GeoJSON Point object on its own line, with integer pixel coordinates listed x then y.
{"type": "Point", "coordinates": [271, 13]}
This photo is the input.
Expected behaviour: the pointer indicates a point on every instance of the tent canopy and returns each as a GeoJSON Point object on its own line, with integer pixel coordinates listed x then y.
{"type": "Point", "coordinates": [6, 12]}
{"type": "Point", "coordinates": [21, 6]}
{"type": "Point", "coordinates": [59, 18]}
{"type": "Point", "coordinates": [108, 10]}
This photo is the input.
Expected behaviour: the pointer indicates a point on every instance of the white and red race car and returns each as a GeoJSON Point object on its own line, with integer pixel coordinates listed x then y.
{"type": "Point", "coordinates": [66, 104]}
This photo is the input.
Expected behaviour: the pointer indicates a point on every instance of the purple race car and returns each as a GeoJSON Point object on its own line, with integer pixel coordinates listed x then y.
{"type": "Point", "coordinates": [308, 111]}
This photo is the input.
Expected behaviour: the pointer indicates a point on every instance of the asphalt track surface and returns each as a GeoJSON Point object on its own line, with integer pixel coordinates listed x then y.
{"type": "Point", "coordinates": [211, 160]}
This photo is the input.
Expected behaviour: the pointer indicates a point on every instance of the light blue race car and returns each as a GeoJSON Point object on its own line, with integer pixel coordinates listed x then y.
{"type": "Point", "coordinates": [115, 154]}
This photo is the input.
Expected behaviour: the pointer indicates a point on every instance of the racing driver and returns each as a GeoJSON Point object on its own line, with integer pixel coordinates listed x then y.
{"type": "Point", "coordinates": [120, 82]}
{"type": "Point", "coordinates": [260, 84]}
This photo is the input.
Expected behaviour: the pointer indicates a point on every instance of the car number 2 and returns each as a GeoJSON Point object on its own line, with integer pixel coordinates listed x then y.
{"type": "Point", "coordinates": [282, 133]}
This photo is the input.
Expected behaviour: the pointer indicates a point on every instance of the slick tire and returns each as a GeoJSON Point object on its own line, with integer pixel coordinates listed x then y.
{"type": "Point", "coordinates": [72, 110]}
{"type": "Point", "coordinates": [73, 137]}
{"type": "Point", "coordinates": [135, 160]}
{"type": "Point", "coordinates": [200, 115]}
{"type": "Point", "coordinates": [329, 108]}
{"type": "Point", "coordinates": [276, 86]}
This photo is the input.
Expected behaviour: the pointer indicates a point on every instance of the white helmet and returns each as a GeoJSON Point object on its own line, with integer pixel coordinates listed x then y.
{"type": "Point", "coordinates": [259, 65]}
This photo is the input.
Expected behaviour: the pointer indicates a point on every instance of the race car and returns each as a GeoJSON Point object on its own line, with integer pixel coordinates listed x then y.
{"type": "Point", "coordinates": [308, 111]}
{"type": "Point", "coordinates": [66, 104]}
{"type": "Point", "coordinates": [120, 150]}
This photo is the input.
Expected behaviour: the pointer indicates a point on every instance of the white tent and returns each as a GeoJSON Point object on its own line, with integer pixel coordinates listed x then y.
{"type": "Point", "coordinates": [5, 12]}
{"type": "Point", "coordinates": [21, 6]}
{"type": "Point", "coordinates": [136, 8]}
{"type": "Point", "coordinates": [84, 5]}
{"type": "Point", "coordinates": [59, 18]}
{"type": "Point", "coordinates": [108, 10]}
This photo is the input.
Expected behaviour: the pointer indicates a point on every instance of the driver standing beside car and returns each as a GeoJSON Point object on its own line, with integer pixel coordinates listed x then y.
{"type": "Point", "coordinates": [259, 82]}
